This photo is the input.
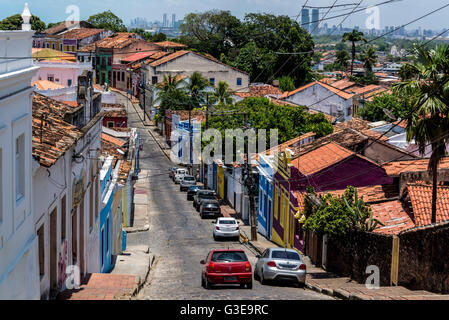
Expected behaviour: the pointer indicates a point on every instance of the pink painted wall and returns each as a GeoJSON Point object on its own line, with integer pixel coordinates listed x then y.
{"type": "Point", "coordinates": [60, 74]}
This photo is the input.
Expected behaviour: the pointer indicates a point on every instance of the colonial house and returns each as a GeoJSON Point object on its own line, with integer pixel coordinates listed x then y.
{"type": "Point", "coordinates": [51, 37]}
{"type": "Point", "coordinates": [340, 99]}
{"type": "Point", "coordinates": [326, 167]}
{"type": "Point", "coordinates": [19, 248]}
{"type": "Point", "coordinates": [114, 116]}
{"type": "Point", "coordinates": [112, 50]}
{"type": "Point", "coordinates": [66, 196]}
{"type": "Point", "coordinates": [184, 62]}
{"type": "Point", "coordinates": [74, 39]}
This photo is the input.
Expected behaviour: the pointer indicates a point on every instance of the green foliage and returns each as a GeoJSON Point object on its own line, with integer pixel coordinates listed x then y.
{"type": "Point", "coordinates": [251, 44]}
{"type": "Point", "coordinates": [408, 71]}
{"type": "Point", "coordinates": [15, 22]}
{"type": "Point", "coordinates": [398, 105]}
{"type": "Point", "coordinates": [141, 32]}
{"type": "Point", "coordinates": [342, 59]}
{"type": "Point", "coordinates": [107, 20]}
{"type": "Point", "coordinates": [262, 114]}
{"type": "Point", "coordinates": [258, 62]}
{"type": "Point", "coordinates": [335, 216]}
{"type": "Point", "coordinates": [366, 79]}
{"type": "Point", "coordinates": [369, 59]}
{"type": "Point", "coordinates": [52, 24]}
{"type": "Point", "coordinates": [286, 84]}
{"type": "Point", "coordinates": [222, 94]}
{"type": "Point", "coordinates": [159, 37]}
{"type": "Point", "coordinates": [353, 37]}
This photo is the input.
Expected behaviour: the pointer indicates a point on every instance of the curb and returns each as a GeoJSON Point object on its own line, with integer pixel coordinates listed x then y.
{"type": "Point", "coordinates": [137, 229]}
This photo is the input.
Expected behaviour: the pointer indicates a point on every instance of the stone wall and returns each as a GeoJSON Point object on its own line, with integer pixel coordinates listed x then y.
{"type": "Point", "coordinates": [352, 254]}
{"type": "Point", "coordinates": [423, 259]}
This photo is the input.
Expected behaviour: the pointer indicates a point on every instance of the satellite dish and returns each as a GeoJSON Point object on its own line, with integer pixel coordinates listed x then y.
{"type": "Point", "coordinates": [389, 114]}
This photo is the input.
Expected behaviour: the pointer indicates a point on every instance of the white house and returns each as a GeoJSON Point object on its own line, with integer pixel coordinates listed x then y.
{"type": "Point", "coordinates": [318, 96]}
{"type": "Point", "coordinates": [186, 62]}
{"type": "Point", "coordinates": [66, 186]}
{"type": "Point", "coordinates": [18, 241]}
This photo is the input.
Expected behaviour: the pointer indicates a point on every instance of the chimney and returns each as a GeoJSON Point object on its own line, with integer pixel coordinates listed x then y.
{"type": "Point", "coordinates": [26, 16]}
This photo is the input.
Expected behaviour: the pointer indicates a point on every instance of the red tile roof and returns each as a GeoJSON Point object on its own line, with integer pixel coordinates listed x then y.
{"type": "Point", "coordinates": [371, 193]}
{"type": "Point", "coordinates": [118, 41]}
{"type": "Point", "coordinates": [81, 33]}
{"type": "Point", "coordinates": [393, 216]}
{"type": "Point", "coordinates": [291, 144]}
{"type": "Point", "coordinates": [58, 136]}
{"type": "Point", "coordinates": [47, 85]}
{"type": "Point", "coordinates": [421, 201]}
{"type": "Point", "coordinates": [170, 44]}
{"type": "Point", "coordinates": [395, 168]}
{"type": "Point", "coordinates": [321, 158]}
{"type": "Point", "coordinates": [169, 57]}
{"type": "Point", "coordinates": [338, 92]}
{"type": "Point", "coordinates": [138, 56]}
{"type": "Point", "coordinates": [344, 84]}
{"type": "Point", "coordinates": [119, 143]}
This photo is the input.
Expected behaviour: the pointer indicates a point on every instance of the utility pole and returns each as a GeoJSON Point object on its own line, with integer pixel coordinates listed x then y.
{"type": "Point", "coordinates": [190, 139]}
{"type": "Point", "coordinates": [249, 183]}
{"type": "Point", "coordinates": [206, 127]}
{"type": "Point", "coordinates": [144, 101]}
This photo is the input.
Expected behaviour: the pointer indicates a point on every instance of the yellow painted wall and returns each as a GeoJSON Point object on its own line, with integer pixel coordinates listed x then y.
{"type": "Point", "coordinates": [220, 182]}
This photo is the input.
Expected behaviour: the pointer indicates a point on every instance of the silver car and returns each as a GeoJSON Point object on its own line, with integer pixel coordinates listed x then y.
{"type": "Point", "coordinates": [187, 182]}
{"type": "Point", "coordinates": [180, 173]}
{"type": "Point", "coordinates": [280, 264]}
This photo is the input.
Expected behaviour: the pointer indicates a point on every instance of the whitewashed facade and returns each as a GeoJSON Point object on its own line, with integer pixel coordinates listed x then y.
{"type": "Point", "coordinates": [18, 241]}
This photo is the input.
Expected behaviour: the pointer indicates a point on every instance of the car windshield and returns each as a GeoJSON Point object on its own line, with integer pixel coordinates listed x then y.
{"type": "Point", "coordinates": [277, 254]}
{"type": "Point", "coordinates": [229, 256]}
{"type": "Point", "coordinates": [189, 178]}
{"type": "Point", "coordinates": [226, 221]}
{"type": "Point", "coordinates": [181, 172]}
{"type": "Point", "coordinates": [207, 196]}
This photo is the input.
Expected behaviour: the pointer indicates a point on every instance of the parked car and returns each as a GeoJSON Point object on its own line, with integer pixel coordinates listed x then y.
{"type": "Point", "coordinates": [280, 264]}
{"type": "Point", "coordinates": [172, 172]}
{"type": "Point", "coordinates": [226, 228]}
{"type": "Point", "coordinates": [191, 192]}
{"type": "Point", "coordinates": [180, 173]}
{"type": "Point", "coordinates": [202, 195]}
{"type": "Point", "coordinates": [210, 208]}
{"type": "Point", "coordinates": [187, 182]}
{"type": "Point", "coordinates": [226, 267]}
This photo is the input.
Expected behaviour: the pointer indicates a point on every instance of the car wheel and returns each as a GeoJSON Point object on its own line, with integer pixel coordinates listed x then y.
{"type": "Point", "coordinates": [242, 285]}
{"type": "Point", "coordinates": [201, 215]}
{"type": "Point", "coordinates": [301, 284]}
{"type": "Point", "coordinates": [262, 279]}
{"type": "Point", "coordinates": [215, 237]}
{"type": "Point", "coordinates": [249, 285]}
{"type": "Point", "coordinates": [203, 284]}
{"type": "Point", "coordinates": [207, 283]}
{"type": "Point", "coordinates": [256, 275]}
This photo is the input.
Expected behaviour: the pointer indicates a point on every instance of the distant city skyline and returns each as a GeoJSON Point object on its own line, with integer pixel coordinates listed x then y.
{"type": "Point", "coordinates": [393, 14]}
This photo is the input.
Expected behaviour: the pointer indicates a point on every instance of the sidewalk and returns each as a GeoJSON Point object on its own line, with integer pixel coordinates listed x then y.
{"type": "Point", "coordinates": [343, 287]}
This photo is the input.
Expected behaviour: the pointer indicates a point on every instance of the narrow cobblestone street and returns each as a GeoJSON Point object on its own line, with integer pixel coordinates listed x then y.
{"type": "Point", "coordinates": [179, 238]}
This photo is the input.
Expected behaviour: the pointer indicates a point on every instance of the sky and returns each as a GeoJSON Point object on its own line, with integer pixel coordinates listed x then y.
{"type": "Point", "coordinates": [389, 15]}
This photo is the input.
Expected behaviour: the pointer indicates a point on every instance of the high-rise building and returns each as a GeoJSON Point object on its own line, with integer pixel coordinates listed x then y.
{"type": "Point", "coordinates": [165, 21]}
{"type": "Point", "coordinates": [315, 21]}
{"type": "Point", "coordinates": [173, 20]}
{"type": "Point", "coordinates": [305, 19]}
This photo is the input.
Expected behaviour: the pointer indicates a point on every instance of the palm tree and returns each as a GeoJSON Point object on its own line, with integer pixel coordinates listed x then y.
{"type": "Point", "coordinates": [353, 37]}
{"type": "Point", "coordinates": [171, 94]}
{"type": "Point", "coordinates": [407, 71]}
{"type": "Point", "coordinates": [223, 93]}
{"type": "Point", "coordinates": [342, 58]}
{"type": "Point", "coordinates": [430, 117]}
{"type": "Point", "coordinates": [369, 58]}
{"type": "Point", "coordinates": [170, 83]}
{"type": "Point", "coordinates": [196, 87]}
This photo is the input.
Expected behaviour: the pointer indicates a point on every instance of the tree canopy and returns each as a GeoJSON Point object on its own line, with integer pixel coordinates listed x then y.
{"type": "Point", "coordinates": [15, 22]}
{"type": "Point", "coordinates": [253, 43]}
{"type": "Point", "coordinates": [107, 20]}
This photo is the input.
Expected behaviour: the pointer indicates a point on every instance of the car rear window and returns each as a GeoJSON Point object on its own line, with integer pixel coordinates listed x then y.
{"type": "Point", "coordinates": [189, 178]}
{"type": "Point", "coordinates": [229, 256]}
{"type": "Point", "coordinates": [285, 255]}
{"type": "Point", "coordinates": [207, 196]}
{"type": "Point", "coordinates": [227, 221]}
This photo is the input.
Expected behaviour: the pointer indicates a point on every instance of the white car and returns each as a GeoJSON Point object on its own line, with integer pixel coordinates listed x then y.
{"type": "Point", "coordinates": [226, 228]}
{"type": "Point", "coordinates": [180, 173]}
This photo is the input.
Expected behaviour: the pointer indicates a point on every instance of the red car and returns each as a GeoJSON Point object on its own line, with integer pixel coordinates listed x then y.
{"type": "Point", "coordinates": [226, 267]}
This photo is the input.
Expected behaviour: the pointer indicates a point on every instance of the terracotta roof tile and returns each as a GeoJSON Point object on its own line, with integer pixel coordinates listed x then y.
{"type": "Point", "coordinates": [371, 193]}
{"type": "Point", "coordinates": [124, 170]}
{"type": "Point", "coordinates": [81, 33]}
{"type": "Point", "coordinates": [114, 110]}
{"type": "Point", "coordinates": [57, 135]}
{"type": "Point", "coordinates": [393, 215]}
{"type": "Point", "coordinates": [47, 85]}
{"type": "Point", "coordinates": [118, 142]}
{"type": "Point", "coordinates": [170, 44]}
{"type": "Point", "coordinates": [344, 84]}
{"type": "Point", "coordinates": [421, 201]}
{"type": "Point", "coordinates": [118, 41]}
{"type": "Point", "coordinates": [285, 103]}
{"type": "Point", "coordinates": [339, 92]}
{"type": "Point", "coordinates": [169, 57]}
{"type": "Point", "coordinates": [138, 56]}
{"type": "Point", "coordinates": [321, 158]}
{"type": "Point", "coordinates": [395, 168]}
